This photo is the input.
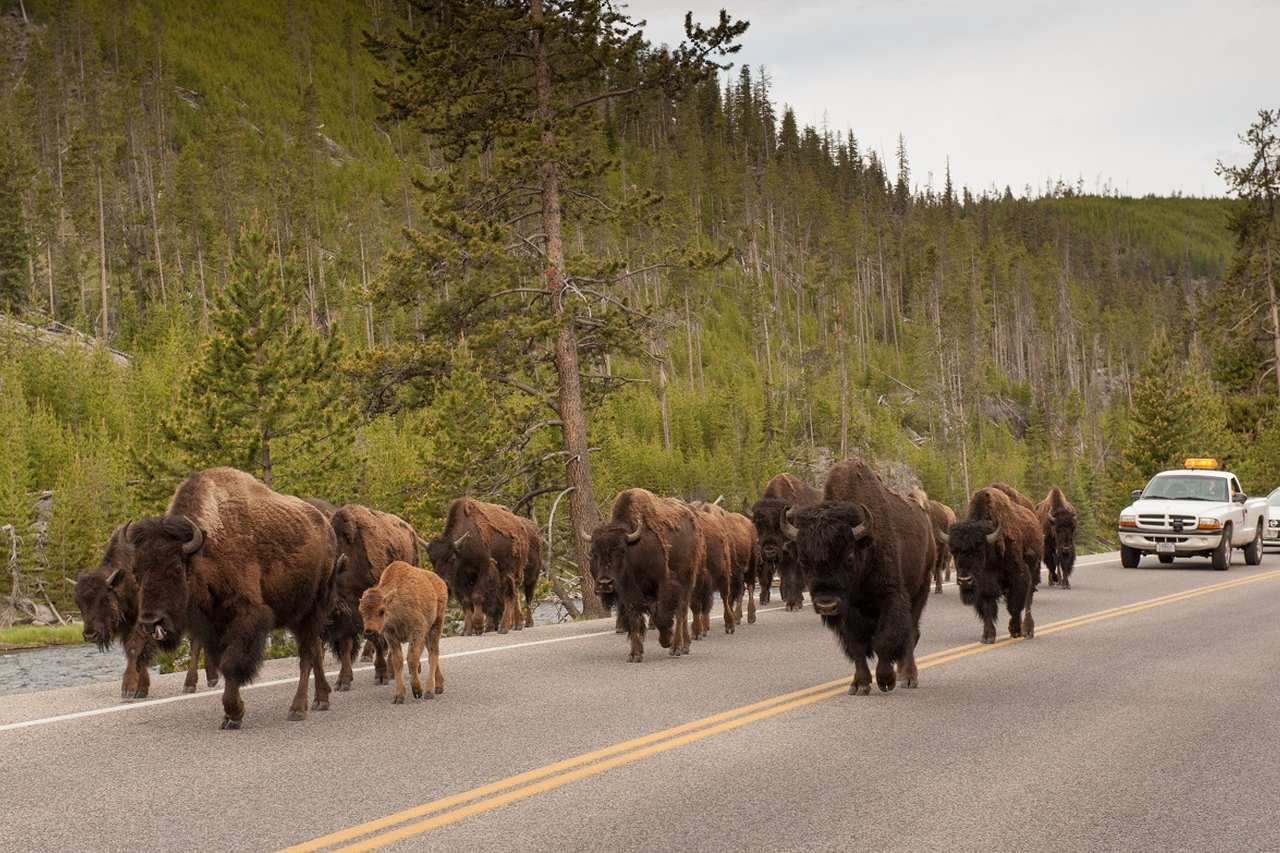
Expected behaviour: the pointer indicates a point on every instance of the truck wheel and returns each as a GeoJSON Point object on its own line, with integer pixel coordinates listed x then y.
{"type": "Point", "coordinates": [1129, 557]}
{"type": "Point", "coordinates": [1222, 554]}
{"type": "Point", "coordinates": [1253, 551]}
{"type": "Point", "coordinates": [1166, 558]}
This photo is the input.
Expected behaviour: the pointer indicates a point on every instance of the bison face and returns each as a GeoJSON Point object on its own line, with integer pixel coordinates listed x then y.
{"type": "Point", "coordinates": [1064, 535]}
{"type": "Point", "coordinates": [101, 599]}
{"type": "Point", "coordinates": [832, 542]}
{"type": "Point", "coordinates": [609, 546]}
{"type": "Point", "coordinates": [163, 548]}
{"type": "Point", "coordinates": [373, 609]}
{"type": "Point", "coordinates": [444, 554]}
{"type": "Point", "coordinates": [766, 515]}
{"type": "Point", "coordinates": [971, 544]}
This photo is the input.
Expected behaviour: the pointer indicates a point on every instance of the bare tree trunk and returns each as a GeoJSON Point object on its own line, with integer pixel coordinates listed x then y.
{"type": "Point", "coordinates": [204, 291]}
{"type": "Point", "coordinates": [1275, 312]}
{"type": "Point", "coordinates": [582, 503]}
{"type": "Point", "coordinates": [844, 382]}
{"type": "Point", "coordinates": [102, 256]}
{"type": "Point", "coordinates": [155, 223]}
{"type": "Point", "coordinates": [53, 313]}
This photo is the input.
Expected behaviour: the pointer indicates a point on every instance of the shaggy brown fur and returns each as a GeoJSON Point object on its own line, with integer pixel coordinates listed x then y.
{"type": "Point", "coordinates": [941, 517]}
{"type": "Point", "coordinates": [1014, 495]}
{"type": "Point", "coordinates": [717, 573]}
{"type": "Point", "coordinates": [486, 554]}
{"type": "Point", "coordinates": [777, 553]}
{"type": "Point", "coordinates": [107, 598]}
{"type": "Point", "coordinates": [408, 606]}
{"type": "Point", "coordinates": [326, 508]}
{"type": "Point", "coordinates": [744, 553]}
{"type": "Point", "coordinates": [1058, 520]}
{"type": "Point", "coordinates": [867, 554]}
{"type": "Point", "coordinates": [230, 561]}
{"type": "Point", "coordinates": [646, 559]}
{"type": "Point", "coordinates": [1006, 566]}
{"type": "Point", "coordinates": [370, 540]}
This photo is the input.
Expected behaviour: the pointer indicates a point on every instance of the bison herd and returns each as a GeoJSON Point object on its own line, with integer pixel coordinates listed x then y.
{"type": "Point", "coordinates": [231, 560]}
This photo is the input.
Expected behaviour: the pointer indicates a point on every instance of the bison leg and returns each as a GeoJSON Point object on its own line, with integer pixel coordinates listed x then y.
{"type": "Point", "coordinates": [211, 673]}
{"type": "Point", "coordinates": [415, 666]}
{"type": "Point", "coordinates": [861, 677]}
{"type": "Point", "coordinates": [726, 599]}
{"type": "Point", "coordinates": [323, 690]}
{"type": "Point", "coordinates": [635, 633]}
{"type": "Point", "coordinates": [751, 602]}
{"type": "Point", "coordinates": [435, 679]}
{"type": "Point", "coordinates": [987, 607]}
{"type": "Point", "coordinates": [134, 649]}
{"type": "Point", "coordinates": [937, 575]}
{"type": "Point", "coordinates": [395, 657]}
{"type": "Point", "coordinates": [379, 660]}
{"type": "Point", "coordinates": [682, 614]}
{"type": "Point", "coordinates": [620, 625]}
{"type": "Point", "coordinates": [946, 565]}
{"type": "Point", "coordinates": [298, 707]}
{"type": "Point", "coordinates": [766, 585]}
{"type": "Point", "coordinates": [192, 681]}
{"type": "Point", "coordinates": [346, 647]}
{"type": "Point", "coordinates": [366, 654]}
{"type": "Point", "coordinates": [232, 704]}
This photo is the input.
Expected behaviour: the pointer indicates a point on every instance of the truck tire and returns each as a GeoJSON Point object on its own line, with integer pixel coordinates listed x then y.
{"type": "Point", "coordinates": [1166, 558]}
{"type": "Point", "coordinates": [1253, 551]}
{"type": "Point", "coordinates": [1129, 557]}
{"type": "Point", "coordinates": [1222, 554]}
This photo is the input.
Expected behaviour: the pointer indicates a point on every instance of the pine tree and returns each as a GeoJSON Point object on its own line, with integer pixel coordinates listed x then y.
{"type": "Point", "coordinates": [1159, 417]}
{"type": "Point", "coordinates": [261, 397]}
{"type": "Point", "coordinates": [14, 239]}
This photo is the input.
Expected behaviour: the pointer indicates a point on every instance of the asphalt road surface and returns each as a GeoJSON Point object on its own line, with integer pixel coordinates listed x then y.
{"type": "Point", "coordinates": [1145, 715]}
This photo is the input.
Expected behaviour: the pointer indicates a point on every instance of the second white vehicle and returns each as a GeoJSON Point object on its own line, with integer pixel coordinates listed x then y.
{"type": "Point", "coordinates": [1198, 511]}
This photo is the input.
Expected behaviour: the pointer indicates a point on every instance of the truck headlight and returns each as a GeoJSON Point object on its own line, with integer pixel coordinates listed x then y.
{"type": "Point", "coordinates": [1210, 524]}
{"type": "Point", "coordinates": [1128, 521]}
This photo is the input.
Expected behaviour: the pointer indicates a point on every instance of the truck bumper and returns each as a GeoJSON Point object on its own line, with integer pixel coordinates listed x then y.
{"type": "Point", "coordinates": [1183, 543]}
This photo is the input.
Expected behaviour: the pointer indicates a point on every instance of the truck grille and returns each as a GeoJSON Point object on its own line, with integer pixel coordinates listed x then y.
{"type": "Point", "coordinates": [1167, 522]}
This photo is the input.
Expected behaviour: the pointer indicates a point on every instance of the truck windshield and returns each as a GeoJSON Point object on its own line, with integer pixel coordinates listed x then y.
{"type": "Point", "coordinates": [1275, 498]}
{"type": "Point", "coordinates": [1186, 487]}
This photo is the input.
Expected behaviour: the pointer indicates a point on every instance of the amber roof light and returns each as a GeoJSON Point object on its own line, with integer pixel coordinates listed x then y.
{"type": "Point", "coordinates": [1205, 464]}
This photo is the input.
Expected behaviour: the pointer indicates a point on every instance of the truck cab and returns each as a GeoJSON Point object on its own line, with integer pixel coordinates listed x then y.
{"type": "Point", "coordinates": [1198, 510]}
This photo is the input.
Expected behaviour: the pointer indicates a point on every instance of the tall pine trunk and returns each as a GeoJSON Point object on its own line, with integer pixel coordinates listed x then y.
{"type": "Point", "coordinates": [583, 512]}
{"type": "Point", "coordinates": [102, 256]}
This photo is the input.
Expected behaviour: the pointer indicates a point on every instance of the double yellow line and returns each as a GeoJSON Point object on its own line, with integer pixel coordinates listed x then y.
{"type": "Point", "coordinates": [447, 810]}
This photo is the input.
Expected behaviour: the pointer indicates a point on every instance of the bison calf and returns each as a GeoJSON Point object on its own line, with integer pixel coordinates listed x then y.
{"type": "Point", "coordinates": [408, 605]}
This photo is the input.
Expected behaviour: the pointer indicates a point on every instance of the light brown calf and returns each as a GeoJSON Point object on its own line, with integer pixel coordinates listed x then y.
{"type": "Point", "coordinates": [408, 605]}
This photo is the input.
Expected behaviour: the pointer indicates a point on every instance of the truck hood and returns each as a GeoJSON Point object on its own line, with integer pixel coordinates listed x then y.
{"type": "Point", "coordinates": [1162, 507]}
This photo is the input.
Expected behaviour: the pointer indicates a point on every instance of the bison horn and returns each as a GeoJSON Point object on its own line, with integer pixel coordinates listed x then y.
{"type": "Point", "coordinates": [196, 542]}
{"type": "Point", "coordinates": [124, 531]}
{"type": "Point", "coordinates": [634, 536]}
{"type": "Point", "coordinates": [457, 542]}
{"type": "Point", "coordinates": [942, 536]}
{"type": "Point", "coordinates": [994, 535]}
{"type": "Point", "coordinates": [340, 563]}
{"type": "Point", "coordinates": [718, 501]}
{"type": "Point", "coordinates": [859, 531]}
{"type": "Point", "coordinates": [789, 530]}
{"type": "Point", "coordinates": [114, 578]}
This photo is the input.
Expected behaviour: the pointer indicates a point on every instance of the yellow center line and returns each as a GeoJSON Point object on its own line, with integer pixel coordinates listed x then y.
{"type": "Point", "coordinates": [485, 798]}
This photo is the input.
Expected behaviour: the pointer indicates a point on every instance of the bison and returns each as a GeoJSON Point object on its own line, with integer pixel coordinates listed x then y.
{"type": "Point", "coordinates": [997, 549]}
{"type": "Point", "coordinates": [941, 517]}
{"type": "Point", "coordinates": [1058, 519]}
{"type": "Point", "coordinates": [867, 555]}
{"type": "Point", "coordinates": [229, 561]}
{"type": "Point", "coordinates": [486, 554]}
{"type": "Point", "coordinates": [370, 540]}
{"type": "Point", "coordinates": [720, 571]}
{"type": "Point", "coordinates": [745, 556]}
{"type": "Point", "coordinates": [107, 598]}
{"type": "Point", "coordinates": [782, 493]}
{"type": "Point", "coordinates": [407, 606]}
{"type": "Point", "coordinates": [646, 560]}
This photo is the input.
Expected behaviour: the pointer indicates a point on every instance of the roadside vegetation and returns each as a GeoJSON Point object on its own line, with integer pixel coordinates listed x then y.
{"type": "Point", "coordinates": [34, 636]}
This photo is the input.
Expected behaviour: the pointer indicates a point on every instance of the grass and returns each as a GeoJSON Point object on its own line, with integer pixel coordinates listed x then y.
{"type": "Point", "coordinates": [35, 636]}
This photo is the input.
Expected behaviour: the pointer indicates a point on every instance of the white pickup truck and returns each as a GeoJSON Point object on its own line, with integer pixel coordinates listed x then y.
{"type": "Point", "coordinates": [1198, 511]}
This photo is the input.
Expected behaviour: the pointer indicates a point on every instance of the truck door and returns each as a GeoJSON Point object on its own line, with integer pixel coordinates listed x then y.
{"type": "Point", "coordinates": [1241, 526]}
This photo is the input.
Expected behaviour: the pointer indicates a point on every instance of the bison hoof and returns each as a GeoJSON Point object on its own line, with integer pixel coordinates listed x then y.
{"type": "Point", "coordinates": [912, 683]}
{"type": "Point", "coordinates": [320, 705]}
{"type": "Point", "coordinates": [397, 700]}
{"type": "Point", "coordinates": [857, 689]}
{"type": "Point", "coordinates": [417, 692]}
{"type": "Point", "coordinates": [728, 629]}
{"type": "Point", "coordinates": [439, 689]}
{"type": "Point", "coordinates": [343, 686]}
{"type": "Point", "coordinates": [886, 685]}
{"type": "Point", "coordinates": [229, 724]}
{"type": "Point", "coordinates": [764, 596]}
{"type": "Point", "coordinates": [502, 630]}
{"type": "Point", "coordinates": [1066, 585]}
{"type": "Point", "coordinates": [987, 641]}
{"type": "Point", "coordinates": [937, 590]}
{"type": "Point", "coordinates": [295, 716]}
{"type": "Point", "coordinates": [381, 679]}
{"type": "Point", "coordinates": [634, 658]}
{"type": "Point", "coordinates": [186, 688]}
{"type": "Point", "coordinates": [751, 619]}
{"type": "Point", "coordinates": [619, 630]}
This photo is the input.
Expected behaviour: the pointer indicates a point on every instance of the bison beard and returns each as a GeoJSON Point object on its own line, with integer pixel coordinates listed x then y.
{"type": "Point", "coordinates": [1058, 525]}
{"type": "Point", "coordinates": [995, 548]}
{"type": "Point", "coordinates": [229, 561]}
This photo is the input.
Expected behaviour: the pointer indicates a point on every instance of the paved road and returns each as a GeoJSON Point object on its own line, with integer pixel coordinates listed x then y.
{"type": "Point", "coordinates": [1145, 716]}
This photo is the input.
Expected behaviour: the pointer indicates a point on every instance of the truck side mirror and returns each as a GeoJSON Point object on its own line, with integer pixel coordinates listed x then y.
{"type": "Point", "coordinates": [1135, 494]}
{"type": "Point", "coordinates": [1239, 497]}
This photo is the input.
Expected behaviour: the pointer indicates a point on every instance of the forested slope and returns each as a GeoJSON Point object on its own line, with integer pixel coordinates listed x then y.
{"type": "Point", "coordinates": [754, 296]}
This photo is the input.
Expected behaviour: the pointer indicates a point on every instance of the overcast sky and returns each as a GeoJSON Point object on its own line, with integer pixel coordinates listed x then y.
{"type": "Point", "coordinates": [1145, 93]}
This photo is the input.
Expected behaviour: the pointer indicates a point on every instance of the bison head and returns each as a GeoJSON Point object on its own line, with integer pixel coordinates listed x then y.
{"type": "Point", "coordinates": [356, 572]}
{"type": "Point", "coordinates": [972, 544]}
{"type": "Point", "coordinates": [609, 546]}
{"type": "Point", "coordinates": [163, 548]}
{"type": "Point", "coordinates": [1063, 523]}
{"type": "Point", "coordinates": [373, 609]}
{"type": "Point", "coordinates": [767, 516]}
{"type": "Point", "coordinates": [833, 544]}
{"type": "Point", "coordinates": [444, 554]}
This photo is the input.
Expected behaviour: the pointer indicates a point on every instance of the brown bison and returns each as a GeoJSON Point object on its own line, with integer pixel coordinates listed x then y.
{"type": "Point", "coordinates": [107, 598]}
{"type": "Point", "coordinates": [646, 560]}
{"type": "Point", "coordinates": [324, 506]}
{"type": "Point", "coordinates": [941, 517]}
{"type": "Point", "coordinates": [720, 572]}
{"type": "Point", "coordinates": [867, 554]}
{"type": "Point", "coordinates": [997, 549]}
{"type": "Point", "coordinates": [486, 554]}
{"type": "Point", "coordinates": [408, 606]}
{"type": "Point", "coordinates": [782, 493]}
{"type": "Point", "coordinates": [229, 561]}
{"type": "Point", "coordinates": [370, 540]}
{"type": "Point", "coordinates": [744, 552]}
{"type": "Point", "coordinates": [1058, 520]}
